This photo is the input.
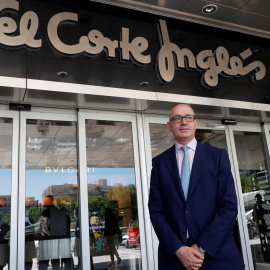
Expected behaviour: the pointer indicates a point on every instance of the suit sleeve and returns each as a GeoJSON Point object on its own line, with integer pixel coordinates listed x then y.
{"type": "Point", "coordinates": [215, 233]}
{"type": "Point", "coordinates": [169, 241]}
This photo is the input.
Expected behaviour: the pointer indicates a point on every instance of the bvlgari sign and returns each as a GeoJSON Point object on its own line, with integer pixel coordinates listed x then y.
{"type": "Point", "coordinates": [170, 56]}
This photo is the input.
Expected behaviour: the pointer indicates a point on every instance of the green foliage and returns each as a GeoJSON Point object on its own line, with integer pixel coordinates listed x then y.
{"type": "Point", "coordinates": [1, 217]}
{"type": "Point", "coordinates": [6, 218]}
{"type": "Point", "coordinates": [35, 213]}
{"type": "Point", "coordinates": [251, 182]}
{"type": "Point", "coordinates": [99, 204]}
{"type": "Point", "coordinates": [135, 223]}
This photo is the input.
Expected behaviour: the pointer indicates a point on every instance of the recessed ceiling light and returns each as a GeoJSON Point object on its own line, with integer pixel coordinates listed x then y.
{"type": "Point", "coordinates": [209, 9]}
{"type": "Point", "coordinates": [62, 74]}
{"type": "Point", "coordinates": [144, 84]}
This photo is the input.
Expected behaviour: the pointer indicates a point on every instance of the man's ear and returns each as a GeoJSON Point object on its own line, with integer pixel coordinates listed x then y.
{"type": "Point", "coordinates": [169, 126]}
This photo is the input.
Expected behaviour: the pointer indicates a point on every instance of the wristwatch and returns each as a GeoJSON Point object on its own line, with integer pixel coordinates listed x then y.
{"type": "Point", "coordinates": [201, 250]}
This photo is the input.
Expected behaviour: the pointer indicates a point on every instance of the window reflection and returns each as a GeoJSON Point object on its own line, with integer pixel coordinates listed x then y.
{"type": "Point", "coordinates": [162, 138]}
{"type": "Point", "coordinates": [51, 195]}
{"type": "Point", "coordinates": [255, 189]}
{"type": "Point", "coordinates": [112, 195]}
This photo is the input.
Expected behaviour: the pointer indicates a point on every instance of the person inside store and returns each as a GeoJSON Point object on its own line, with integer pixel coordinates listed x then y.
{"type": "Point", "coordinates": [111, 229]}
{"type": "Point", "coordinates": [261, 217]}
{"type": "Point", "coordinates": [192, 201]}
{"type": "Point", "coordinates": [55, 241]}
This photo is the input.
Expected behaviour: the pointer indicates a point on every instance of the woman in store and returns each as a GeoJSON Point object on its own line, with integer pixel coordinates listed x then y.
{"type": "Point", "coordinates": [111, 228]}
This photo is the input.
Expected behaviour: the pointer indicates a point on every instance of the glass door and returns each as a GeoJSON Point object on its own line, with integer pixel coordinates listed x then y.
{"type": "Point", "coordinates": [48, 193]}
{"type": "Point", "coordinates": [9, 137]}
{"type": "Point", "coordinates": [251, 152]}
{"type": "Point", "coordinates": [208, 132]}
{"type": "Point", "coordinates": [108, 144]}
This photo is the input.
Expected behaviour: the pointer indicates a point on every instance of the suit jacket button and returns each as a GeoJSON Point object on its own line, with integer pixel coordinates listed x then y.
{"type": "Point", "coordinates": [186, 211]}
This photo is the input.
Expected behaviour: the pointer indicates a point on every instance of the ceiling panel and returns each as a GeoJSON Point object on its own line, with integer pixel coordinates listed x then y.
{"type": "Point", "coordinates": [250, 19]}
{"type": "Point", "coordinates": [258, 6]}
{"type": "Point", "coordinates": [172, 4]}
{"type": "Point", "coordinates": [229, 3]}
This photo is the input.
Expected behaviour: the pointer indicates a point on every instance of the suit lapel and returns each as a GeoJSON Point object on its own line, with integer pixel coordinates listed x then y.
{"type": "Point", "coordinates": [197, 168]}
{"type": "Point", "coordinates": [172, 166]}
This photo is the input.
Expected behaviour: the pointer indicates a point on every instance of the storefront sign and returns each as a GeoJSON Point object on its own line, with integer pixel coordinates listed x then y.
{"type": "Point", "coordinates": [169, 58]}
{"type": "Point", "coordinates": [62, 170]}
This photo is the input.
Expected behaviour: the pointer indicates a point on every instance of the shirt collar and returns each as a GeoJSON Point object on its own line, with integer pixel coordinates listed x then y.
{"type": "Point", "coordinates": [192, 145]}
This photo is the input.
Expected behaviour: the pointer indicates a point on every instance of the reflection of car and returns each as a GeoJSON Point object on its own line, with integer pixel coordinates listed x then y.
{"type": "Point", "coordinates": [133, 237]}
{"type": "Point", "coordinates": [130, 237]}
{"type": "Point", "coordinates": [125, 241]}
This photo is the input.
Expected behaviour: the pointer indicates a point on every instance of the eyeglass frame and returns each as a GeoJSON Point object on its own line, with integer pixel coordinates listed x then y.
{"type": "Point", "coordinates": [179, 116]}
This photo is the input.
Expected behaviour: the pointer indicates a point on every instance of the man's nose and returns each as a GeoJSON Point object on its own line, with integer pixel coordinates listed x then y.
{"type": "Point", "coordinates": [184, 121]}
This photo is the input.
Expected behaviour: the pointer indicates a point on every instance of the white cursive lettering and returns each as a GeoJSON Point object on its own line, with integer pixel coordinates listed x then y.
{"type": "Point", "coordinates": [136, 47]}
{"type": "Point", "coordinates": [28, 27]}
{"type": "Point", "coordinates": [214, 63]}
{"type": "Point", "coordinates": [92, 44]}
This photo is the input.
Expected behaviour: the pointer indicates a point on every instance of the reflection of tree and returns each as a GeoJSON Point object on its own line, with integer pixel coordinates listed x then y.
{"type": "Point", "coordinates": [98, 203]}
{"type": "Point", "coordinates": [1, 216]}
{"type": "Point", "coordinates": [35, 213]}
{"type": "Point", "coordinates": [69, 202]}
{"type": "Point", "coordinates": [97, 191]}
{"type": "Point", "coordinates": [6, 218]}
{"type": "Point", "coordinates": [127, 202]}
{"type": "Point", "coordinates": [250, 182]}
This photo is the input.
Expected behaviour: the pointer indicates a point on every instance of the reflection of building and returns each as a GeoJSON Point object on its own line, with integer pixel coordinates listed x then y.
{"type": "Point", "coordinates": [5, 204]}
{"type": "Point", "coordinates": [5, 200]}
{"type": "Point", "coordinates": [30, 201]}
{"type": "Point", "coordinates": [96, 188]}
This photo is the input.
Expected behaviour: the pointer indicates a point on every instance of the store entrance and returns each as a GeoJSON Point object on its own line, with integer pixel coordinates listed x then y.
{"type": "Point", "coordinates": [52, 220]}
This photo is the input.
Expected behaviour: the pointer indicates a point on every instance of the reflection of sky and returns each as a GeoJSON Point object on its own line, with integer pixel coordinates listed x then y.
{"type": "Point", "coordinates": [5, 181]}
{"type": "Point", "coordinates": [38, 180]}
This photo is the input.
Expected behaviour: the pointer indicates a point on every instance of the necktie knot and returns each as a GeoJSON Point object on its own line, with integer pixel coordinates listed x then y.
{"type": "Point", "coordinates": [184, 148]}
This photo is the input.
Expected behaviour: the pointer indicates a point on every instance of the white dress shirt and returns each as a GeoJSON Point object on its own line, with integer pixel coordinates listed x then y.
{"type": "Point", "coordinates": [180, 154]}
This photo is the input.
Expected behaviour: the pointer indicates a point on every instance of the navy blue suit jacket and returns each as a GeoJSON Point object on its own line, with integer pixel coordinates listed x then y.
{"type": "Point", "coordinates": [208, 213]}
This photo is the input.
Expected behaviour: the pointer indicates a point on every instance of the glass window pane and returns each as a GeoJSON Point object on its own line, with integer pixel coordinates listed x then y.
{"type": "Point", "coordinates": [255, 189]}
{"type": "Point", "coordinates": [112, 195]}
{"type": "Point", "coordinates": [5, 193]}
{"type": "Point", "coordinates": [51, 195]}
{"type": "Point", "coordinates": [162, 138]}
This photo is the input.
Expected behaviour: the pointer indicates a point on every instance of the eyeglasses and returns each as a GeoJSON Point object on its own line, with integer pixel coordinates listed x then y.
{"type": "Point", "coordinates": [179, 119]}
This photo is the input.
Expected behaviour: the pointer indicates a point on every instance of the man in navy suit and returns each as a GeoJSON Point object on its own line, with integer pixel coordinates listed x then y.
{"type": "Point", "coordinates": [193, 224]}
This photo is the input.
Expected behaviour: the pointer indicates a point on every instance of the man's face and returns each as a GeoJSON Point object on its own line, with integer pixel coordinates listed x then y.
{"type": "Point", "coordinates": [183, 132]}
